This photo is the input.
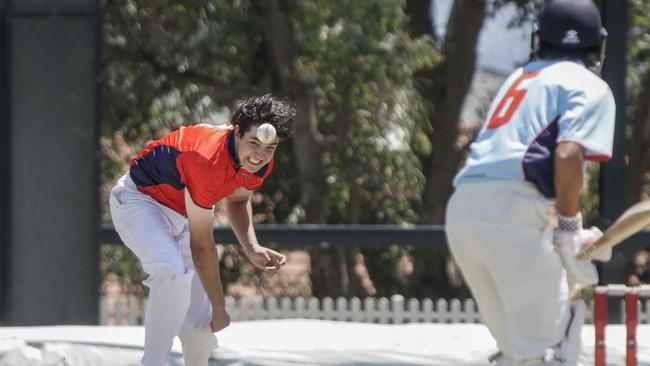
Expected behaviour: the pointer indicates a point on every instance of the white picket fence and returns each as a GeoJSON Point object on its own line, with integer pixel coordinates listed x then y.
{"type": "Point", "coordinates": [396, 310]}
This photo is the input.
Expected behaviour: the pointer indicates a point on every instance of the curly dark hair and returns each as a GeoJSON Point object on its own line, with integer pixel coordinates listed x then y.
{"type": "Point", "coordinates": [255, 111]}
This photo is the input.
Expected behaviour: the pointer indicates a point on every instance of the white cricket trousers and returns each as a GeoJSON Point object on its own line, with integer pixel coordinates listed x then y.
{"type": "Point", "coordinates": [500, 235]}
{"type": "Point", "coordinates": [177, 304]}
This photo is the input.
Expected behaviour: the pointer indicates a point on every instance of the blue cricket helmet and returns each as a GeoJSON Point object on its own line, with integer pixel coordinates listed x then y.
{"type": "Point", "coordinates": [571, 24]}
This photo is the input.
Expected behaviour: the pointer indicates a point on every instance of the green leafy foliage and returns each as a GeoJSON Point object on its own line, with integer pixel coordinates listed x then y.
{"type": "Point", "coordinates": [167, 64]}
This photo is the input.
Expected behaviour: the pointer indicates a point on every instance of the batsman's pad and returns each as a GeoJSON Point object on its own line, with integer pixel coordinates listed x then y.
{"type": "Point", "coordinates": [570, 352]}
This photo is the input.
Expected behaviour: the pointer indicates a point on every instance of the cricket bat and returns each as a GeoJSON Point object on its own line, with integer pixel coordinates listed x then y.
{"type": "Point", "coordinates": [633, 220]}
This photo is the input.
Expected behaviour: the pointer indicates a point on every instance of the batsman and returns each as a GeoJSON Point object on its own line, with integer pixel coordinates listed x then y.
{"type": "Point", "coordinates": [548, 118]}
{"type": "Point", "coordinates": [163, 210]}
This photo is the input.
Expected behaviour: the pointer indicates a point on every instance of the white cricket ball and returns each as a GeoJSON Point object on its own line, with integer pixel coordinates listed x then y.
{"type": "Point", "coordinates": [266, 133]}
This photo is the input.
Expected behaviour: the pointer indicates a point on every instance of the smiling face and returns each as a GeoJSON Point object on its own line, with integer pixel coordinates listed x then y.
{"type": "Point", "coordinates": [252, 153]}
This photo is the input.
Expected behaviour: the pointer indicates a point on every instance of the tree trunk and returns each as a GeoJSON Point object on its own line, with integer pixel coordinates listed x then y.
{"type": "Point", "coordinates": [443, 89]}
{"type": "Point", "coordinates": [330, 270]}
{"type": "Point", "coordinates": [308, 145]}
{"type": "Point", "coordinates": [420, 23]}
{"type": "Point", "coordinates": [637, 152]}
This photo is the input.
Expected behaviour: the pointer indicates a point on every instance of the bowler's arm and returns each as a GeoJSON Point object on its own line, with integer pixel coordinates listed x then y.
{"type": "Point", "coordinates": [240, 214]}
{"type": "Point", "coordinates": [204, 251]}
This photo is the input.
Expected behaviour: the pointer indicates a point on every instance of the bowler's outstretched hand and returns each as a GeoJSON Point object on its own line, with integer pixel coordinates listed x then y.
{"type": "Point", "coordinates": [266, 259]}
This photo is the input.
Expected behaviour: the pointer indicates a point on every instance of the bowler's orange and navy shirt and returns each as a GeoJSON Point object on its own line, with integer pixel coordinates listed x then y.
{"type": "Point", "coordinates": [201, 158]}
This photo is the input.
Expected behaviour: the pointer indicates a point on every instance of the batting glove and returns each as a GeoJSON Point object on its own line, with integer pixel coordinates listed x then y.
{"type": "Point", "coordinates": [570, 238]}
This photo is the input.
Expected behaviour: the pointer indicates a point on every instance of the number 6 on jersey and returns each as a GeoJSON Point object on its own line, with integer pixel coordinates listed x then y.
{"type": "Point", "coordinates": [514, 96]}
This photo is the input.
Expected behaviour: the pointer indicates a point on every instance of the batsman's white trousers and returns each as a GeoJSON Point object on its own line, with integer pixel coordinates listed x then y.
{"type": "Point", "coordinates": [177, 304]}
{"type": "Point", "coordinates": [501, 238]}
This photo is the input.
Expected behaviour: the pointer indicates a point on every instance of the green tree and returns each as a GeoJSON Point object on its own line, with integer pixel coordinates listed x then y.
{"type": "Point", "coordinates": [346, 67]}
{"type": "Point", "coordinates": [442, 87]}
{"type": "Point", "coordinates": [638, 108]}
